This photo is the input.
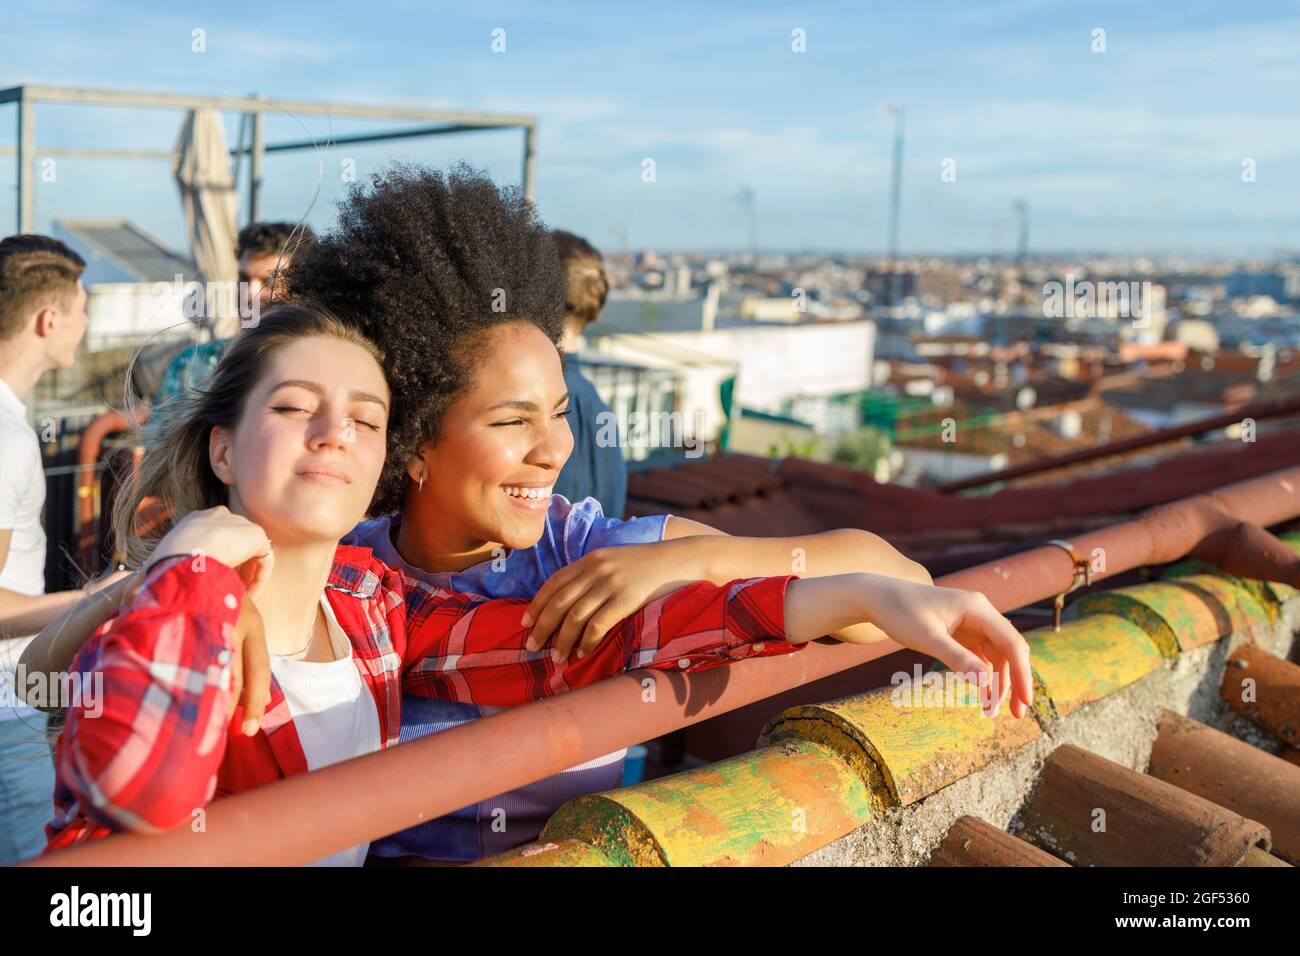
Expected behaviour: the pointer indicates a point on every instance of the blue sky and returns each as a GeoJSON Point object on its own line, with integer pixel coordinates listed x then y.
{"type": "Point", "coordinates": [1137, 149]}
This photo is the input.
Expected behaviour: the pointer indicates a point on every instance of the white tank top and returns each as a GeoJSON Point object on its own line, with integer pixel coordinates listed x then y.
{"type": "Point", "coordinates": [333, 712]}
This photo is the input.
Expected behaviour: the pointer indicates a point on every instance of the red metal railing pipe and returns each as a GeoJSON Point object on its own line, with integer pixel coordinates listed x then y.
{"type": "Point", "coordinates": [91, 442]}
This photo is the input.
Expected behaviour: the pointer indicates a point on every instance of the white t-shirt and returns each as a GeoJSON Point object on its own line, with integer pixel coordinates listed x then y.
{"type": "Point", "coordinates": [333, 712]}
{"type": "Point", "coordinates": [22, 496]}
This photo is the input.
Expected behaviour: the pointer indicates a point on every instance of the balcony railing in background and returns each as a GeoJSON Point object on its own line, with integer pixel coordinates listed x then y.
{"type": "Point", "coordinates": [60, 430]}
{"type": "Point", "coordinates": [635, 392]}
{"type": "Point", "coordinates": [83, 450]}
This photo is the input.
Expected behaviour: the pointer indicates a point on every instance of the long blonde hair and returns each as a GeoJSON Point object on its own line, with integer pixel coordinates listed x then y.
{"type": "Point", "coordinates": [175, 470]}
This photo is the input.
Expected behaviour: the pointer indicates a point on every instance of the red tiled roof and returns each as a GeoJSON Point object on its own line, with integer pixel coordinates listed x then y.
{"type": "Point", "coordinates": [750, 495]}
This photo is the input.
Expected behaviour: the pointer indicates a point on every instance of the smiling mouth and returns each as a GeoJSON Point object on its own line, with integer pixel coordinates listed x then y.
{"type": "Point", "coordinates": [530, 497]}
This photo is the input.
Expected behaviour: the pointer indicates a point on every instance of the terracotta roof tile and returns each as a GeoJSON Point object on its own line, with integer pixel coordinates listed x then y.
{"type": "Point", "coordinates": [1233, 774]}
{"type": "Point", "coordinates": [973, 842]}
{"type": "Point", "coordinates": [735, 492]}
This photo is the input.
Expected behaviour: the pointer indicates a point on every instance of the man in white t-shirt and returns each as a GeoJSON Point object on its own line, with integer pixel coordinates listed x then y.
{"type": "Point", "coordinates": [42, 321]}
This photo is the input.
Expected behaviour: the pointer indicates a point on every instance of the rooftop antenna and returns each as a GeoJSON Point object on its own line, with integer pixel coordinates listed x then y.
{"type": "Point", "coordinates": [895, 111]}
{"type": "Point", "coordinates": [619, 233]}
{"type": "Point", "coordinates": [1022, 247]}
{"type": "Point", "coordinates": [746, 198]}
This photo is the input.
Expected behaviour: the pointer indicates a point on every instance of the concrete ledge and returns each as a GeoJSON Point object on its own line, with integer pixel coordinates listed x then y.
{"type": "Point", "coordinates": [880, 779]}
{"type": "Point", "coordinates": [767, 807]}
{"type": "Point", "coordinates": [1121, 727]}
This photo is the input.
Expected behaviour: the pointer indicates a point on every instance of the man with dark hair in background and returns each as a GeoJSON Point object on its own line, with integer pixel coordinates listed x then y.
{"type": "Point", "coordinates": [42, 321]}
{"type": "Point", "coordinates": [594, 469]}
{"type": "Point", "coordinates": [264, 250]}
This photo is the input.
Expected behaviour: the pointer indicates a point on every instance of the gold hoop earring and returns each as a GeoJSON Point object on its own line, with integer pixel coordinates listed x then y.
{"type": "Point", "coordinates": [420, 486]}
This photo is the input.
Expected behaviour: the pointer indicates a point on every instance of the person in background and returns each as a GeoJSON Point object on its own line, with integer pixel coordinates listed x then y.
{"type": "Point", "coordinates": [42, 321]}
{"type": "Point", "coordinates": [595, 469]}
{"type": "Point", "coordinates": [264, 250]}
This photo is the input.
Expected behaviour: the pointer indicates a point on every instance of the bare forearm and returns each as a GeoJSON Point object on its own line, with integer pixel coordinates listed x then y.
{"type": "Point", "coordinates": [841, 552]}
{"type": "Point", "coordinates": [22, 614]}
{"type": "Point", "coordinates": [829, 605]}
{"type": "Point", "coordinates": [52, 650]}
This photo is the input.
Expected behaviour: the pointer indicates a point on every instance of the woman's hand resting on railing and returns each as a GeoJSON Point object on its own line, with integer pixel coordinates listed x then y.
{"type": "Point", "coordinates": [960, 628]}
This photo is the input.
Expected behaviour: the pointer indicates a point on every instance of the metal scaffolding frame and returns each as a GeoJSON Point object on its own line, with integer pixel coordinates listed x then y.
{"type": "Point", "coordinates": [254, 110]}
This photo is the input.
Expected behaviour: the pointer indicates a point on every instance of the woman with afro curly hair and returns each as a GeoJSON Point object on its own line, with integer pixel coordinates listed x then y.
{"type": "Point", "coordinates": [462, 286]}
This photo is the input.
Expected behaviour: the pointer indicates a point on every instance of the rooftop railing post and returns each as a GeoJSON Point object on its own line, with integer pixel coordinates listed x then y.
{"type": "Point", "coordinates": [240, 150]}
{"type": "Point", "coordinates": [530, 160]}
{"type": "Point", "coordinates": [26, 162]}
{"type": "Point", "coordinates": [255, 168]}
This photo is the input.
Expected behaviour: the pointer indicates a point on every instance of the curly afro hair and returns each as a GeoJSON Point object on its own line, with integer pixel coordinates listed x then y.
{"type": "Point", "coordinates": [426, 263]}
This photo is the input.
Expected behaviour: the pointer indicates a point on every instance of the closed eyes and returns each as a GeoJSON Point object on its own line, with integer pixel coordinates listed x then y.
{"type": "Point", "coordinates": [285, 409]}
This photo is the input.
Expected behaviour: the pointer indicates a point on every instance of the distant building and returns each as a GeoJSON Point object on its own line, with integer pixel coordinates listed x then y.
{"type": "Point", "coordinates": [891, 288]}
{"type": "Point", "coordinates": [117, 251]}
{"type": "Point", "coordinates": [764, 309]}
{"type": "Point", "coordinates": [132, 280]}
{"type": "Point", "coordinates": [1195, 333]}
{"type": "Point", "coordinates": [803, 369]}
{"type": "Point", "coordinates": [1240, 285]}
{"type": "Point", "coordinates": [657, 313]}
{"type": "Point", "coordinates": [761, 433]}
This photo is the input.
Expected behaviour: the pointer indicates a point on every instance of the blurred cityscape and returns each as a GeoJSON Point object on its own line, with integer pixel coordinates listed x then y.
{"type": "Point", "coordinates": [861, 360]}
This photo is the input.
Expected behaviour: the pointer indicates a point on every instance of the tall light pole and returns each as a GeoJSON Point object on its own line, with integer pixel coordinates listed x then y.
{"type": "Point", "coordinates": [1022, 246]}
{"type": "Point", "coordinates": [625, 257]}
{"type": "Point", "coordinates": [895, 195]}
{"type": "Point", "coordinates": [745, 197]}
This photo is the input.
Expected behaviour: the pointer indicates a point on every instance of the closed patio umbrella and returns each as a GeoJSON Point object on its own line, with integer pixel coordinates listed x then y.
{"type": "Point", "coordinates": [202, 169]}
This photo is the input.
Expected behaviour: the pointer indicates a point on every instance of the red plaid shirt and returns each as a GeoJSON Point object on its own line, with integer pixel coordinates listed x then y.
{"type": "Point", "coordinates": [162, 748]}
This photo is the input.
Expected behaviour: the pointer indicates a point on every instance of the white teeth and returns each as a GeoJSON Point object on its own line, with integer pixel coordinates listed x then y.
{"type": "Point", "coordinates": [527, 492]}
